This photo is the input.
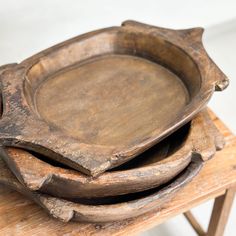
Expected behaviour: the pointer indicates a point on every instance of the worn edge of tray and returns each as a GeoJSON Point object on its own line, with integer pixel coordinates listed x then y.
{"type": "Point", "coordinates": [203, 140]}
{"type": "Point", "coordinates": [66, 210]}
{"type": "Point", "coordinates": [84, 160]}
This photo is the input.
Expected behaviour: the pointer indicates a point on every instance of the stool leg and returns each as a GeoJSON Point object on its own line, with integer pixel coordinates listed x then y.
{"type": "Point", "coordinates": [220, 213]}
{"type": "Point", "coordinates": [194, 223]}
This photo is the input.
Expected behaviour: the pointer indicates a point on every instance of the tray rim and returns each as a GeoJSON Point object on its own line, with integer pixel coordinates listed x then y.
{"type": "Point", "coordinates": [66, 211]}
{"type": "Point", "coordinates": [190, 41]}
{"type": "Point", "coordinates": [169, 167]}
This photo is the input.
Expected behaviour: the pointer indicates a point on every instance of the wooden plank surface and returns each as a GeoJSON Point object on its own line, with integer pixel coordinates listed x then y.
{"type": "Point", "coordinates": [20, 216]}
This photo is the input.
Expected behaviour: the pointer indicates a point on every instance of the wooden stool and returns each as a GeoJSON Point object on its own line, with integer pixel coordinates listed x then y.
{"type": "Point", "coordinates": [217, 180]}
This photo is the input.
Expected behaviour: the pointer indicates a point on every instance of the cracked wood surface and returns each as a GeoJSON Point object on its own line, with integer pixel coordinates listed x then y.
{"type": "Point", "coordinates": [158, 166]}
{"type": "Point", "coordinates": [105, 210]}
{"type": "Point", "coordinates": [20, 216]}
{"type": "Point", "coordinates": [102, 98]}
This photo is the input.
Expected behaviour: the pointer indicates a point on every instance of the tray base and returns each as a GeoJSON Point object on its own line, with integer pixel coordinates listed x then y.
{"type": "Point", "coordinates": [111, 99]}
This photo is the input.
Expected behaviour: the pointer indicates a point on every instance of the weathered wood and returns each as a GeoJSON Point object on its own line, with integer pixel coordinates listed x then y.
{"type": "Point", "coordinates": [158, 166]}
{"type": "Point", "coordinates": [194, 223]}
{"type": "Point", "coordinates": [21, 217]}
{"type": "Point", "coordinates": [100, 99]}
{"type": "Point", "coordinates": [220, 213]}
{"type": "Point", "coordinates": [66, 210]}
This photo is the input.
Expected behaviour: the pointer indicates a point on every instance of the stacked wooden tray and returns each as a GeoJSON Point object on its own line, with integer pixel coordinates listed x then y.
{"type": "Point", "coordinates": [110, 124]}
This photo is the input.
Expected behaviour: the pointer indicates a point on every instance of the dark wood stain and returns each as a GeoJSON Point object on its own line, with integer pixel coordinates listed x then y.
{"type": "Point", "coordinates": [71, 211]}
{"type": "Point", "coordinates": [102, 98]}
{"type": "Point", "coordinates": [153, 168]}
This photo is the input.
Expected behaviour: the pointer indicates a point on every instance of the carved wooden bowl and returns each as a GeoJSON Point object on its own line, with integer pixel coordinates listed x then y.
{"type": "Point", "coordinates": [156, 166]}
{"type": "Point", "coordinates": [100, 99]}
{"type": "Point", "coordinates": [111, 209]}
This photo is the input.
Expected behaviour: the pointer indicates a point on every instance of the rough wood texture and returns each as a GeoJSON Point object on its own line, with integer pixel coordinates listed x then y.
{"type": "Point", "coordinates": [220, 213]}
{"type": "Point", "coordinates": [98, 100]}
{"type": "Point", "coordinates": [159, 165]}
{"type": "Point", "coordinates": [21, 217]}
{"type": "Point", "coordinates": [67, 210]}
{"type": "Point", "coordinates": [194, 223]}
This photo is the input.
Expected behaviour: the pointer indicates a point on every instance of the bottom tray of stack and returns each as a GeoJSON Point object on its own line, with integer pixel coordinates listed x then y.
{"type": "Point", "coordinates": [132, 189]}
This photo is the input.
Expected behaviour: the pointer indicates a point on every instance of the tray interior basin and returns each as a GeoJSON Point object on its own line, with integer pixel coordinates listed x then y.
{"type": "Point", "coordinates": [111, 99]}
{"type": "Point", "coordinates": [100, 99]}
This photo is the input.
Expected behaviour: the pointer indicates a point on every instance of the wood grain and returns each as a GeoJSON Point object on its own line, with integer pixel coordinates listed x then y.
{"type": "Point", "coordinates": [20, 216]}
{"type": "Point", "coordinates": [100, 99]}
{"type": "Point", "coordinates": [104, 210]}
{"type": "Point", "coordinates": [193, 222]}
{"type": "Point", "coordinates": [220, 213]}
{"type": "Point", "coordinates": [159, 165]}
{"type": "Point", "coordinates": [111, 99]}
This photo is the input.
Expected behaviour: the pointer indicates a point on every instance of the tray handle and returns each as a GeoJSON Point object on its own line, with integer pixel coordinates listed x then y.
{"type": "Point", "coordinates": [6, 67]}
{"type": "Point", "coordinates": [190, 40]}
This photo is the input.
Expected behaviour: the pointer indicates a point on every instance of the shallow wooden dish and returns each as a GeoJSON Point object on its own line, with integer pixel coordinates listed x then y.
{"type": "Point", "coordinates": [156, 166]}
{"type": "Point", "coordinates": [100, 99]}
{"type": "Point", "coordinates": [130, 206]}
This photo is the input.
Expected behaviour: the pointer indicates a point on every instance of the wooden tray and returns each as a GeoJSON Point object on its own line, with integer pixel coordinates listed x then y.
{"type": "Point", "coordinates": [156, 166]}
{"type": "Point", "coordinates": [132, 206]}
{"type": "Point", "coordinates": [100, 99]}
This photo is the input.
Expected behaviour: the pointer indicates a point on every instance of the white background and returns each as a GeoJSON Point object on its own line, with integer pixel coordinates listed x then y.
{"type": "Point", "coordinates": [27, 27]}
